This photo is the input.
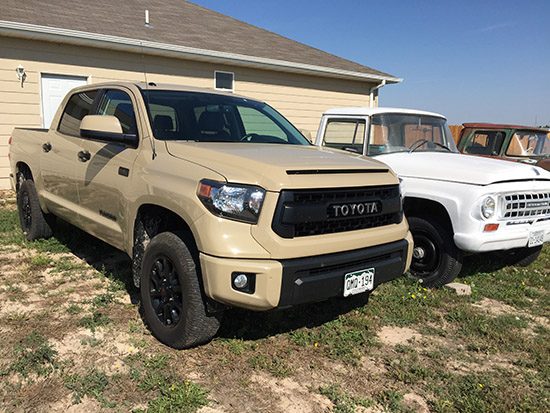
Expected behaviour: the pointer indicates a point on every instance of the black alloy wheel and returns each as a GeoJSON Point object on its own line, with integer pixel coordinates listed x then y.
{"type": "Point", "coordinates": [165, 292]}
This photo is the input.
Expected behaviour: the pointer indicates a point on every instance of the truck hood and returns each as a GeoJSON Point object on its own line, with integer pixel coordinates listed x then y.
{"type": "Point", "coordinates": [460, 168]}
{"type": "Point", "coordinates": [274, 167]}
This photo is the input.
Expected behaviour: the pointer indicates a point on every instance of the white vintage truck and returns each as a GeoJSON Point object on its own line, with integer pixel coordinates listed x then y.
{"type": "Point", "coordinates": [455, 204]}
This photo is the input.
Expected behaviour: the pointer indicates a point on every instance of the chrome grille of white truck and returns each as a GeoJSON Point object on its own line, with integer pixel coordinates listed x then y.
{"type": "Point", "coordinates": [532, 205]}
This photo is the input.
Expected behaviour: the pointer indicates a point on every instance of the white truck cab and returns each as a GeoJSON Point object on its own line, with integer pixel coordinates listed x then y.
{"type": "Point", "coordinates": [456, 204]}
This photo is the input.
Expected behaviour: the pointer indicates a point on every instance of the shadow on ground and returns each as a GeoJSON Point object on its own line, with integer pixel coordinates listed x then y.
{"type": "Point", "coordinates": [483, 263]}
{"type": "Point", "coordinates": [104, 258]}
{"type": "Point", "coordinates": [237, 323]}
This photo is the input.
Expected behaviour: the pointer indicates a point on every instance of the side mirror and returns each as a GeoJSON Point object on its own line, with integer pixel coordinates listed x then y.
{"type": "Point", "coordinates": [105, 128]}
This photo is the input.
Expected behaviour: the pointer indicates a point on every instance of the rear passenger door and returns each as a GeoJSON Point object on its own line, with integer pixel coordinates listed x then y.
{"type": "Point", "coordinates": [59, 157]}
{"type": "Point", "coordinates": [103, 180]}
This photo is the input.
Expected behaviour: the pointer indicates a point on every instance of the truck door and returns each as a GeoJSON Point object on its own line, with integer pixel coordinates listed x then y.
{"type": "Point", "coordinates": [59, 157]}
{"type": "Point", "coordinates": [104, 173]}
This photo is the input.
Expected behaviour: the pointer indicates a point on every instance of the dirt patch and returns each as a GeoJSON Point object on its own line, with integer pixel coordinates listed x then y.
{"type": "Point", "coordinates": [292, 396]}
{"type": "Point", "coordinates": [393, 336]}
{"type": "Point", "coordinates": [416, 403]}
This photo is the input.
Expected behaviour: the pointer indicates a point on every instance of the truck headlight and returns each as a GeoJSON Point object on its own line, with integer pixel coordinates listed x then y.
{"type": "Point", "coordinates": [233, 201]}
{"type": "Point", "coordinates": [488, 207]}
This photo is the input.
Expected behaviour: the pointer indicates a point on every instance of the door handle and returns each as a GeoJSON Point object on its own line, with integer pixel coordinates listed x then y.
{"type": "Point", "coordinates": [47, 147]}
{"type": "Point", "coordinates": [84, 156]}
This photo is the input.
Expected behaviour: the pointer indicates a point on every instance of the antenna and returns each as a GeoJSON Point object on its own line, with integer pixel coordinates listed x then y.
{"type": "Point", "coordinates": [147, 25]}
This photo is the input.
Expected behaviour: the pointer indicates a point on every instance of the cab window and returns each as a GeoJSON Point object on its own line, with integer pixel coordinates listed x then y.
{"type": "Point", "coordinates": [78, 106]}
{"type": "Point", "coordinates": [117, 103]}
{"type": "Point", "coordinates": [345, 134]}
{"type": "Point", "coordinates": [485, 143]}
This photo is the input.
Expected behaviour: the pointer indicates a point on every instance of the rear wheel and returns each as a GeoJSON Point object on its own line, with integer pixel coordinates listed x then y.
{"type": "Point", "coordinates": [172, 303]}
{"type": "Point", "coordinates": [436, 259]}
{"type": "Point", "coordinates": [34, 223]}
{"type": "Point", "coordinates": [523, 257]}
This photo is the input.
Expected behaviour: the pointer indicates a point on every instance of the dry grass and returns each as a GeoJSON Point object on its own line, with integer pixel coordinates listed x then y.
{"type": "Point", "coordinates": [71, 340]}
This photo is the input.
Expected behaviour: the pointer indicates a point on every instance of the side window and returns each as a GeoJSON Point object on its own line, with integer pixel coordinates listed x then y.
{"type": "Point", "coordinates": [344, 134]}
{"type": "Point", "coordinates": [78, 106]}
{"type": "Point", "coordinates": [118, 103]}
{"type": "Point", "coordinates": [485, 143]}
{"type": "Point", "coordinates": [256, 122]}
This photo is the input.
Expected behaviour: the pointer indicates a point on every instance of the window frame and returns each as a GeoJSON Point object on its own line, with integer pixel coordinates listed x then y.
{"type": "Point", "coordinates": [93, 109]}
{"type": "Point", "coordinates": [232, 90]}
{"type": "Point", "coordinates": [99, 99]}
{"type": "Point", "coordinates": [350, 119]}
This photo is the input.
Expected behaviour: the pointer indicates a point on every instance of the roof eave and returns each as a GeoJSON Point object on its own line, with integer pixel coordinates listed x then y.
{"type": "Point", "coordinates": [55, 34]}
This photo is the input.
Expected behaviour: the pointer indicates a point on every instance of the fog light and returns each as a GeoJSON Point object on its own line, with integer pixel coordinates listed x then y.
{"type": "Point", "coordinates": [240, 281]}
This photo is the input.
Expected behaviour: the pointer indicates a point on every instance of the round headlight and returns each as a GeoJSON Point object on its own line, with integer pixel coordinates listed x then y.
{"type": "Point", "coordinates": [488, 207]}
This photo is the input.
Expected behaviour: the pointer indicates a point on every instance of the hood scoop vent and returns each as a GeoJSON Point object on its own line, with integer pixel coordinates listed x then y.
{"type": "Point", "coordinates": [335, 171]}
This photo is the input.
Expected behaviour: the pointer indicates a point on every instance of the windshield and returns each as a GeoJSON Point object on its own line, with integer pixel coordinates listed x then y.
{"type": "Point", "coordinates": [529, 143]}
{"type": "Point", "coordinates": [205, 117]}
{"type": "Point", "coordinates": [394, 132]}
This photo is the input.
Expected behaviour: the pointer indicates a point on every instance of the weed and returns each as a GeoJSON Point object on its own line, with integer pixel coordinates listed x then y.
{"type": "Point", "coordinates": [103, 300]}
{"type": "Point", "coordinates": [34, 355]}
{"type": "Point", "coordinates": [74, 309]}
{"type": "Point", "coordinates": [273, 364]}
{"type": "Point", "coordinates": [343, 402]}
{"type": "Point", "coordinates": [185, 397]}
{"type": "Point", "coordinates": [92, 322]}
{"type": "Point", "coordinates": [39, 262]}
{"type": "Point", "coordinates": [92, 384]}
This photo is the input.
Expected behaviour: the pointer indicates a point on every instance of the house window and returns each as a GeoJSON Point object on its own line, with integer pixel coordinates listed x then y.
{"type": "Point", "coordinates": [224, 80]}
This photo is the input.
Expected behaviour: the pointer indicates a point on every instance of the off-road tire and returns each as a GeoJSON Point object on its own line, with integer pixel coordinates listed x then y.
{"type": "Point", "coordinates": [523, 257]}
{"type": "Point", "coordinates": [194, 325]}
{"type": "Point", "coordinates": [447, 257]}
{"type": "Point", "coordinates": [34, 222]}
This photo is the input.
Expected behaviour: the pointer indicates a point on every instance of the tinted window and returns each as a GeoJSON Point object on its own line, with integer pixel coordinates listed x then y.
{"type": "Point", "coordinates": [205, 117]}
{"type": "Point", "coordinates": [78, 106]}
{"type": "Point", "coordinates": [118, 103]}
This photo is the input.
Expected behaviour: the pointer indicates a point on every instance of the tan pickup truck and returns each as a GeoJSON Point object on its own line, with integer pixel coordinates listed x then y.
{"type": "Point", "coordinates": [219, 200]}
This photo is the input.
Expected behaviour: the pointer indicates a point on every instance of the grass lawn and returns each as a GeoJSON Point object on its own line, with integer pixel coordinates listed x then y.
{"type": "Point", "coordinates": [71, 339]}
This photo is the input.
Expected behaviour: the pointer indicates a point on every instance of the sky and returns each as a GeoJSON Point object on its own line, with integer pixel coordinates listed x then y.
{"type": "Point", "coordinates": [486, 61]}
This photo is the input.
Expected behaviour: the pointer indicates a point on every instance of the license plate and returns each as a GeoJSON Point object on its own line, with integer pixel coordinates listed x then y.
{"type": "Point", "coordinates": [536, 238]}
{"type": "Point", "coordinates": [358, 282]}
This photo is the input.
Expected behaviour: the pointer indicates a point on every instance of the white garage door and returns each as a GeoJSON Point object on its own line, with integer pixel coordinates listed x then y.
{"type": "Point", "coordinates": [54, 89]}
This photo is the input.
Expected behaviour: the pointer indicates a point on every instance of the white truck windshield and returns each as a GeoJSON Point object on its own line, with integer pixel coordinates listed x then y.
{"type": "Point", "coordinates": [393, 132]}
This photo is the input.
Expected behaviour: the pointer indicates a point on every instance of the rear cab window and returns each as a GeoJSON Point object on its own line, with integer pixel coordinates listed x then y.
{"type": "Point", "coordinates": [78, 106]}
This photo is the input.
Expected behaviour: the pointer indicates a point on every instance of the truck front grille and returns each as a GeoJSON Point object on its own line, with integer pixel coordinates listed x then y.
{"type": "Point", "coordinates": [533, 205]}
{"type": "Point", "coordinates": [303, 213]}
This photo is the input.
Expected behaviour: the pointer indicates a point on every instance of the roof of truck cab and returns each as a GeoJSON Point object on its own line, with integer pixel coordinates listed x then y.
{"type": "Point", "coordinates": [476, 125]}
{"type": "Point", "coordinates": [162, 86]}
{"type": "Point", "coordinates": [366, 111]}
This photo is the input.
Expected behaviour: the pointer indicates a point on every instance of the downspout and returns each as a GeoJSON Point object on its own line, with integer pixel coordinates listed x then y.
{"type": "Point", "coordinates": [374, 89]}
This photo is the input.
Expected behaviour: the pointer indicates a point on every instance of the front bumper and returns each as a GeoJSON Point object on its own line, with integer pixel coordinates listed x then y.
{"type": "Point", "coordinates": [504, 238]}
{"type": "Point", "coordinates": [289, 282]}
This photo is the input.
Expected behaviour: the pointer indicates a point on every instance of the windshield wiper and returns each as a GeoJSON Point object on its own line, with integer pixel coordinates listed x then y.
{"type": "Point", "coordinates": [418, 144]}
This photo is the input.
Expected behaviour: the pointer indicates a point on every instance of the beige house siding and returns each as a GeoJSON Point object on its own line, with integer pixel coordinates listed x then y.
{"type": "Point", "coordinates": [301, 98]}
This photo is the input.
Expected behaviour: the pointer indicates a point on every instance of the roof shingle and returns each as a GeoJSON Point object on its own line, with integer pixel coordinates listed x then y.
{"type": "Point", "coordinates": [174, 22]}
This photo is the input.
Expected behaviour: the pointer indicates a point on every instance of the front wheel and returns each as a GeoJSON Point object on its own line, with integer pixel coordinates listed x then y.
{"type": "Point", "coordinates": [172, 303]}
{"type": "Point", "coordinates": [436, 259]}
